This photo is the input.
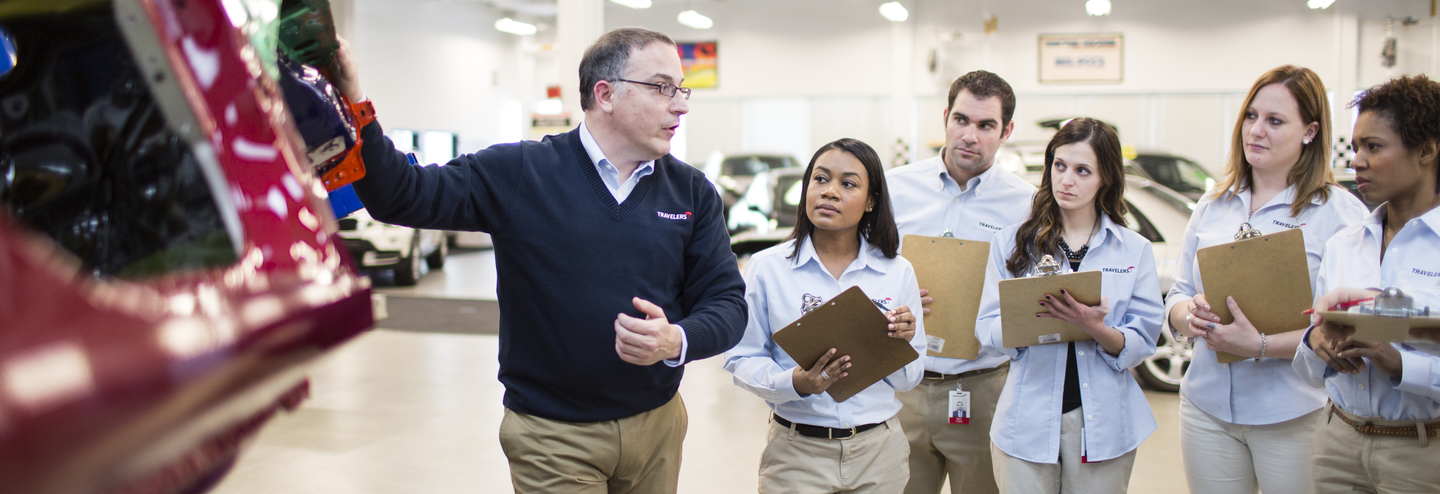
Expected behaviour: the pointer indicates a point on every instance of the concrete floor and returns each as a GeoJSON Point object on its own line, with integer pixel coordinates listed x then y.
{"type": "Point", "coordinates": [396, 412]}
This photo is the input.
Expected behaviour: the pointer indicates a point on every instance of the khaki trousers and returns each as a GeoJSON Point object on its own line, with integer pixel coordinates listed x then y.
{"type": "Point", "coordinates": [1225, 458]}
{"type": "Point", "coordinates": [1070, 476]}
{"type": "Point", "coordinates": [938, 448]}
{"type": "Point", "coordinates": [872, 462]}
{"type": "Point", "coordinates": [1348, 461]}
{"type": "Point", "coordinates": [637, 454]}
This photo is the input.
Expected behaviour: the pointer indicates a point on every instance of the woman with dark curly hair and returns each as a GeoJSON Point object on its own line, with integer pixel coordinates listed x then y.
{"type": "Point", "coordinates": [1380, 432]}
{"type": "Point", "coordinates": [1250, 423]}
{"type": "Point", "coordinates": [1070, 415]}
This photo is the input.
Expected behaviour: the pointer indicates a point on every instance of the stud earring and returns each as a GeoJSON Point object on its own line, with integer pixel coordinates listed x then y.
{"type": "Point", "coordinates": [1307, 141]}
{"type": "Point", "coordinates": [869, 209]}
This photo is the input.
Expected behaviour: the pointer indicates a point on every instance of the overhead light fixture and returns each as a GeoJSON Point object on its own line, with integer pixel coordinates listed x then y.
{"type": "Point", "coordinates": [894, 11]}
{"type": "Point", "coordinates": [508, 25]}
{"type": "Point", "coordinates": [634, 4]}
{"type": "Point", "coordinates": [1102, 7]}
{"type": "Point", "coordinates": [694, 19]}
{"type": "Point", "coordinates": [1319, 4]}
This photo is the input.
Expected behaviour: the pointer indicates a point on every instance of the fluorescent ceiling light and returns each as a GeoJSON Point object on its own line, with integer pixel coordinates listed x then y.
{"type": "Point", "coordinates": [1102, 7]}
{"type": "Point", "coordinates": [508, 25]}
{"type": "Point", "coordinates": [694, 19]}
{"type": "Point", "coordinates": [634, 4]}
{"type": "Point", "coordinates": [894, 11]}
{"type": "Point", "coordinates": [1319, 4]}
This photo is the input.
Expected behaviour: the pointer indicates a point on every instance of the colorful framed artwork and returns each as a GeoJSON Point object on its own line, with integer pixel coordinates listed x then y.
{"type": "Point", "coordinates": [701, 64]}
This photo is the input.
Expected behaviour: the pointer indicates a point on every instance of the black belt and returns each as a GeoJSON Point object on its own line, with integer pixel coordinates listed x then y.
{"type": "Point", "coordinates": [936, 376]}
{"type": "Point", "coordinates": [824, 432]}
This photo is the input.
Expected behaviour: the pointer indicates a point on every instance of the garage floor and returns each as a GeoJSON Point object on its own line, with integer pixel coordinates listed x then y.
{"type": "Point", "coordinates": [403, 412]}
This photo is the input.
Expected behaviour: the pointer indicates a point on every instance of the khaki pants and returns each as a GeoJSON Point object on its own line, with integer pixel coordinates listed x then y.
{"type": "Point", "coordinates": [636, 454]}
{"type": "Point", "coordinates": [938, 448]}
{"type": "Point", "coordinates": [872, 462]}
{"type": "Point", "coordinates": [1348, 461]}
{"type": "Point", "coordinates": [1017, 476]}
{"type": "Point", "coordinates": [1221, 457]}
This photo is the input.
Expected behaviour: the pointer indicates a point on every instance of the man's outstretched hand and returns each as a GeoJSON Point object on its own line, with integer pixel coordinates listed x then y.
{"type": "Point", "coordinates": [344, 73]}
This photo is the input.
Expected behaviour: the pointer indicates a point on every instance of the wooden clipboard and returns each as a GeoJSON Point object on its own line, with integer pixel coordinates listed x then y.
{"type": "Point", "coordinates": [852, 325]}
{"type": "Point", "coordinates": [1020, 300]}
{"type": "Point", "coordinates": [1371, 328]}
{"type": "Point", "coordinates": [1269, 278]}
{"type": "Point", "coordinates": [953, 270]}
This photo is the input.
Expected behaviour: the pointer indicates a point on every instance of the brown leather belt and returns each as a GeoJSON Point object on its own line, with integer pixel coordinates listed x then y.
{"type": "Point", "coordinates": [1363, 426]}
{"type": "Point", "coordinates": [936, 376]}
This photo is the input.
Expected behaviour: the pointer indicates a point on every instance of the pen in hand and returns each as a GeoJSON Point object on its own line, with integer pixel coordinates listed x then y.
{"type": "Point", "coordinates": [1341, 306]}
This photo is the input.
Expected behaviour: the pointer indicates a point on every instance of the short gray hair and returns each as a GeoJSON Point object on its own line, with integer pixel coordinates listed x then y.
{"type": "Point", "coordinates": [607, 58]}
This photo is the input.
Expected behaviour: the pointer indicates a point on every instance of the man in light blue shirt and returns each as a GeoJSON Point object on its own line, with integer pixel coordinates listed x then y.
{"type": "Point", "coordinates": [959, 194]}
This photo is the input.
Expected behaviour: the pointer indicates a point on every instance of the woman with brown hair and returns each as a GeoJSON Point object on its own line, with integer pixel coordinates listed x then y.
{"type": "Point", "coordinates": [1250, 423]}
{"type": "Point", "coordinates": [1070, 416]}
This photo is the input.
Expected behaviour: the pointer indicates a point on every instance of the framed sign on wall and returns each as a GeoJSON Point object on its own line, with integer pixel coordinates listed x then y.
{"type": "Point", "coordinates": [700, 61]}
{"type": "Point", "coordinates": [1081, 58]}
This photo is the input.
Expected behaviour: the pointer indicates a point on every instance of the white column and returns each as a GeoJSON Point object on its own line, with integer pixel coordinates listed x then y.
{"type": "Point", "coordinates": [579, 23]}
{"type": "Point", "coordinates": [902, 144]}
{"type": "Point", "coordinates": [1347, 80]}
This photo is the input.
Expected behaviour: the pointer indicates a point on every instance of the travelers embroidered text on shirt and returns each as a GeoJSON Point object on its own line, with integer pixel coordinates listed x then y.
{"type": "Point", "coordinates": [1118, 270]}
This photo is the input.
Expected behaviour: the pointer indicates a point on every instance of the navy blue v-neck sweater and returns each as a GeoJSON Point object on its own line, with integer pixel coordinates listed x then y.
{"type": "Point", "coordinates": [570, 259]}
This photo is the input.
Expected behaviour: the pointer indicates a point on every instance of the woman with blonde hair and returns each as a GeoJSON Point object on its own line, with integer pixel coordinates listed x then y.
{"type": "Point", "coordinates": [1249, 424]}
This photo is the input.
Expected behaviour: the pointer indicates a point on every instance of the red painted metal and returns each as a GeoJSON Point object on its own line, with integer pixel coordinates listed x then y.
{"type": "Point", "coordinates": [151, 386]}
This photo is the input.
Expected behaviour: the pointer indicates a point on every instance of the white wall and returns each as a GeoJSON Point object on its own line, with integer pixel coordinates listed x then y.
{"type": "Point", "coordinates": [436, 65]}
{"type": "Point", "coordinates": [439, 65]}
{"type": "Point", "coordinates": [1187, 64]}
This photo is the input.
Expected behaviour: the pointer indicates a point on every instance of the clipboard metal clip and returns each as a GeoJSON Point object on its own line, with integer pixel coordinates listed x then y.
{"type": "Point", "coordinates": [1391, 302]}
{"type": "Point", "coordinates": [1047, 266]}
{"type": "Point", "coordinates": [1247, 231]}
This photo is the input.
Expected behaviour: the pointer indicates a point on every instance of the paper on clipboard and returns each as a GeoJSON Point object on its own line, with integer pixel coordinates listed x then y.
{"type": "Point", "coordinates": [953, 270]}
{"type": "Point", "coordinates": [852, 325]}
{"type": "Point", "coordinates": [1371, 328]}
{"type": "Point", "coordinates": [1269, 278]}
{"type": "Point", "coordinates": [1020, 300]}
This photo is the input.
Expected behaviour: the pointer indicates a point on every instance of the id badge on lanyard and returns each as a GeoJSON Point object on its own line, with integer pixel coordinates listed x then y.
{"type": "Point", "coordinates": [959, 405]}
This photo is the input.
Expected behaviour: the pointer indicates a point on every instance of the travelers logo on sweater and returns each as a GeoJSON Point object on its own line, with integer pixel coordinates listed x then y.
{"type": "Point", "coordinates": [675, 216]}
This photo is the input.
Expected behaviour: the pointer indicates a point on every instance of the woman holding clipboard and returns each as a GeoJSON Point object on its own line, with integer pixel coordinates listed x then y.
{"type": "Point", "coordinates": [1381, 430]}
{"type": "Point", "coordinates": [844, 236]}
{"type": "Point", "coordinates": [1250, 423]}
{"type": "Point", "coordinates": [1071, 416]}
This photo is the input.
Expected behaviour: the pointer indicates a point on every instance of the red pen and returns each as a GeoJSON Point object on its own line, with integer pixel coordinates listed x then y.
{"type": "Point", "coordinates": [1341, 306]}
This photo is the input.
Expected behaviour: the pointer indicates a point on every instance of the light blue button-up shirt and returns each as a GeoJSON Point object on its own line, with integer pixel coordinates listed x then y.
{"type": "Point", "coordinates": [1117, 416]}
{"type": "Point", "coordinates": [774, 291]}
{"type": "Point", "coordinates": [1246, 392]}
{"type": "Point", "coordinates": [620, 191]}
{"type": "Point", "coordinates": [927, 201]}
{"type": "Point", "coordinates": [1352, 259]}
{"type": "Point", "coordinates": [608, 173]}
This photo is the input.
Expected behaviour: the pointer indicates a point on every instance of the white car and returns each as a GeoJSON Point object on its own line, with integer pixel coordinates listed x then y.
{"type": "Point", "coordinates": [374, 244]}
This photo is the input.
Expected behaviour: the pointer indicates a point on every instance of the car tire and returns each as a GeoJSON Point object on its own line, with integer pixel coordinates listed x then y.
{"type": "Point", "coordinates": [1164, 370]}
{"type": "Point", "coordinates": [407, 273]}
{"type": "Point", "coordinates": [436, 259]}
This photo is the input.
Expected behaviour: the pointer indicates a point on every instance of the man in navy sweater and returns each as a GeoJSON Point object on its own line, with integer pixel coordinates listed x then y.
{"type": "Point", "coordinates": [614, 269]}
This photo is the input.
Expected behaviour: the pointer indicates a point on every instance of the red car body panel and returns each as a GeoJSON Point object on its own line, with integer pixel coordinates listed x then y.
{"type": "Point", "coordinates": [109, 385]}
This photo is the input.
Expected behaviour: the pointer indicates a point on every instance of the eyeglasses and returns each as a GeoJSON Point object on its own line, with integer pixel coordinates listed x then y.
{"type": "Point", "coordinates": [665, 89]}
